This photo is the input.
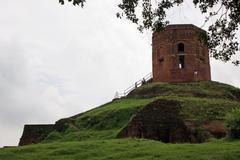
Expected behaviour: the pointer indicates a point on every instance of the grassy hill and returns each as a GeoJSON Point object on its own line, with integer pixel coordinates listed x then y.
{"type": "Point", "coordinates": [200, 101]}
{"type": "Point", "coordinates": [92, 135]}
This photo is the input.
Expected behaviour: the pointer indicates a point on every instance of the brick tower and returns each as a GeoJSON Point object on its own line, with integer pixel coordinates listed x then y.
{"type": "Point", "coordinates": [179, 56]}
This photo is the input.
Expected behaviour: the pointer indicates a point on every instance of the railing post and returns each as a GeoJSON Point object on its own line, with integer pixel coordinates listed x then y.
{"type": "Point", "coordinates": [135, 86]}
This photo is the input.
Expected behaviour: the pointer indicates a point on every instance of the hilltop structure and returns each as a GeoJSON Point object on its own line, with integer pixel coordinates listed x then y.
{"type": "Point", "coordinates": [193, 113]}
{"type": "Point", "coordinates": [179, 56]}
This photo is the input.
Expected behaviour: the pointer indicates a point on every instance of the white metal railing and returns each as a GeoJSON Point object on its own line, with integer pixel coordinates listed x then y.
{"type": "Point", "coordinates": [137, 84]}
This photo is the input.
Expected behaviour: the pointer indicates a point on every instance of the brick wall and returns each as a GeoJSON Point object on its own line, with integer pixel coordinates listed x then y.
{"type": "Point", "coordinates": [165, 55]}
{"type": "Point", "coordinates": [33, 134]}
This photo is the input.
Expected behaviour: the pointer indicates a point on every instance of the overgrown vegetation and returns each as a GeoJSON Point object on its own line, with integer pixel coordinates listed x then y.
{"type": "Point", "coordinates": [92, 135]}
{"type": "Point", "coordinates": [200, 101]}
{"type": "Point", "coordinates": [233, 123]}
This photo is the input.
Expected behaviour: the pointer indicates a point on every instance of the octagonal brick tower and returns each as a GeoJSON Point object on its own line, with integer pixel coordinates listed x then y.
{"type": "Point", "coordinates": [179, 56]}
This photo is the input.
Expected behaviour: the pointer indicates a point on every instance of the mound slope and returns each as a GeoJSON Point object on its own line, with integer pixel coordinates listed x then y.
{"type": "Point", "coordinates": [199, 109]}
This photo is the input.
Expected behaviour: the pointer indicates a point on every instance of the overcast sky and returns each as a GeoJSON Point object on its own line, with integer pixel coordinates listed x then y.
{"type": "Point", "coordinates": [57, 61]}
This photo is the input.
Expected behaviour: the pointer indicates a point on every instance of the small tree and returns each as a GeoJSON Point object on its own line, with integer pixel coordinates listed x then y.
{"type": "Point", "coordinates": [232, 123]}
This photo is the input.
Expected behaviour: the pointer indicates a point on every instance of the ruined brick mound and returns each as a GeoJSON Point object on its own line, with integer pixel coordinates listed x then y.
{"type": "Point", "coordinates": [33, 134]}
{"type": "Point", "coordinates": [162, 120]}
{"type": "Point", "coordinates": [182, 112]}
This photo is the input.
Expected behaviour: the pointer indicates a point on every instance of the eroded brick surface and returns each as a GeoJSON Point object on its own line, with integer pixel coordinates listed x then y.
{"type": "Point", "coordinates": [166, 55]}
{"type": "Point", "coordinates": [162, 120]}
{"type": "Point", "coordinates": [33, 134]}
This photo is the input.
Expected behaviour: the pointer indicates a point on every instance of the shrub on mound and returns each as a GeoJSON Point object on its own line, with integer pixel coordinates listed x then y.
{"type": "Point", "coordinates": [232, 123]}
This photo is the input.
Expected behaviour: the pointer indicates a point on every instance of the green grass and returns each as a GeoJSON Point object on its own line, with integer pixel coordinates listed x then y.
{"type": "Point", "coordinates": [207, 89]}
{"type": "Point", "coordinates": [111, 116]}
{"type": "Point", "coordinates": [92, 135]}
{"type": "Point", "coordinates": [103, 122]}
{"type": "Point", "coordinates": [125, 149]}
{"type": "Point", "coordinates": [200, 101]}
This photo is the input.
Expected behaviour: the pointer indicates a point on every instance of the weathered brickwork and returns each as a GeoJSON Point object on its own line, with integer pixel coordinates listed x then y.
{"type": "Point", "coordinates": [163, 120]}
{"type": "Point", "coordinates": [179, 56]}
{"type": "Point", "coordinates": [159, 120]}
{"type": "Point", "coordinates": [33, 134]}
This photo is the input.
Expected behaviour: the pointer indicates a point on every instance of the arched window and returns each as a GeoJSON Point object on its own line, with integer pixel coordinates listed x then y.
{"type": "Point", "coordinates": [181, 56]}
{"type": "Point", "coordinates": [181, 47]}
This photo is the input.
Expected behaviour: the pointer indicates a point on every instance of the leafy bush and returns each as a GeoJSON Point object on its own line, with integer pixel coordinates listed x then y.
{"type": "Point", "coordinates": [232, 123]}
